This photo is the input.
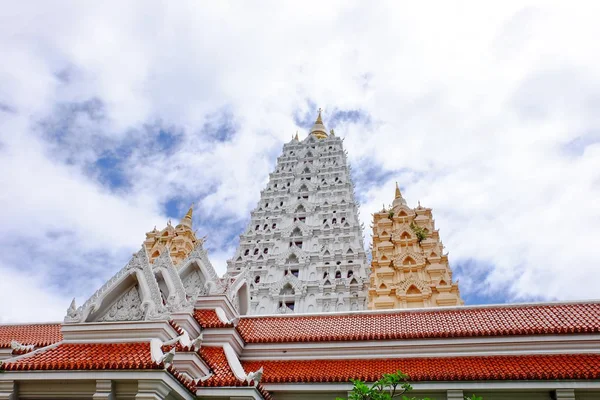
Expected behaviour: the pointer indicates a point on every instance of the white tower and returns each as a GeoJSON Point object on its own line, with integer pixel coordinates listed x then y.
{"type": "Point", "coordinates": [303, 249]}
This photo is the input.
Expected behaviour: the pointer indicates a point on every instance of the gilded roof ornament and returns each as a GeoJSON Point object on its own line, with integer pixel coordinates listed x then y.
{"type": "Point", "coordinates": [318, 129]}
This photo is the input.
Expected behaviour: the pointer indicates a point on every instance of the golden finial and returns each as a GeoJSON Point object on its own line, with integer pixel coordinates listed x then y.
{"type": "Point", "coordinates": [319, 120]}
{"type": "Point", "coordinates": [187, 219]}
{"type": "Point", "coordinates": [398, 194]}
{"type": "Point", "coordinates": [296, 136]}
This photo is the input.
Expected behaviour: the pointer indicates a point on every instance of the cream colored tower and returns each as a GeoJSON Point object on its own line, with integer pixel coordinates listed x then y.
{"type": "Point", "coordinates": [409, 269]}
{"type": "Point", "coordinates": [180, 240]}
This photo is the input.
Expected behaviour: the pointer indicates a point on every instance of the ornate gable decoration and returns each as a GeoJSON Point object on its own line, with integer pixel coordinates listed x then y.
{"type": "Point", "coordinates": [291, 208]}
{"type": "Point", "coordinates": [203, 279]}
{"type": "Point", "coordinates": [305, 229]}
{"type": "Point", "coordinates": [300, 254]}
{"type": "Point", "coordinates": [290, 279]}
{"type": "Point", "coordinates": [118, 298]}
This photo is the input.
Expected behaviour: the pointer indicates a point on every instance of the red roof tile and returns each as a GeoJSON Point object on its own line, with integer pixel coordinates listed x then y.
{"type": "Point", "coordinates": [222, 374]}
{"type": "Point", "coordinates": [415, 324]}
{"type": "Point", "coordinates": [88, 357]}
{"type": "Point", "coordinates": [539, 367]}
{"type": "Point", "coordinates": [209, 319]}
{"type": "Point", "coordinates": [39, 335]}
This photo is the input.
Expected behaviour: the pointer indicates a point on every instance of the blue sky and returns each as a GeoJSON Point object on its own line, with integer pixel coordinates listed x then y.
{"type": "Point", "coordinates": [114, 122]}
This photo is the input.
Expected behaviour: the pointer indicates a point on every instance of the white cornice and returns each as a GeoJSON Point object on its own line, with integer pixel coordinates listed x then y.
{"type": "Point", "coordinates": [413, 348]}
{"type": "Point", "coordinates": [214, 301]}
{"type": "Point", "coordinates": [187, 322]}
{"type": "Point", "coordinates": [247, 392]}
{"type": "Point", "coordinates": [222, 336]}
{"type": "Point", "coordinates": [111, 332]}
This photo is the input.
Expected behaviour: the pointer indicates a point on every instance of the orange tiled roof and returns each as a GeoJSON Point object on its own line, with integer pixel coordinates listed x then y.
{"type": "Point", "coordinates": [94, 356]}
{"type": "Point", "coordinates": [209, 319]}
{"type": "Point", "coordinates": [39, 335]}
{"type": "Point", "coordinates": [538, 367]}
{"type": "Point", "coordinates": [415, 324]}
{"type": "Point", "coordinates": [222, 374]}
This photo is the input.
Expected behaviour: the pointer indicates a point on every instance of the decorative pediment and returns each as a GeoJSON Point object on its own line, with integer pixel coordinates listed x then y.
{"type": "Point", "coordinates": [290, 281]}
{"type": "Point", "coordinates": [293, 229]}
{"type": "Point", "coordinates": [409, 258]}
{"type": "Point", "coordinates": [290, 253]}
{"type": "Point", "coordinates": [411, 283]}
{"type": "Point", "coordinates": [117, 299]}
{"type": "Point", "coordinates": [308, 207]}
{"type": "Point", "coordinates": [303, 186]}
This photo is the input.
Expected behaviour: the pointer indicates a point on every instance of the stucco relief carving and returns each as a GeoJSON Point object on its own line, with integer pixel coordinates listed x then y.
{"type": "Point", "coordinates": [194, 284]}
{"type": "Point", "coordinates": [127, 308]}
{"type": "Point", "coordinates": [151, 305]}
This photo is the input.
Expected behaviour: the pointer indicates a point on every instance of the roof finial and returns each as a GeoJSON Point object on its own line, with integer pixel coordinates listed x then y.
{"type": "Point", "coordinates": [187, 219]}
{"type": "Point", "coordinates": [318, 130]}
{"type": "Point", "coordinates": [296, 136]}
{"type": "Point", "coordinates": [398, 194]}
{"type": "Point", "coordinates": [319, 120]}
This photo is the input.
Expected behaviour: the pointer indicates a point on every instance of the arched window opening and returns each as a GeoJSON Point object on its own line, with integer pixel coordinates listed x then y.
{"type": "Point", "coordinates": [265, 250]}
{"type": "Point", "coordinates": [338, 274]}
{"type": "Point", "coordinates": [350, 273]}
{"type": "Point", "coordinates": [273, 226]}
{"type": "Point", "coordinates": [256, 227]}
{"type": "Point", "coordinates": [257, 279]}
{"type": "Point", "coordinates": [405, 235]}
{"type": "Point", "coordinates": [255, 251]}
{"type": "Point", "coordinates": [247, 252]}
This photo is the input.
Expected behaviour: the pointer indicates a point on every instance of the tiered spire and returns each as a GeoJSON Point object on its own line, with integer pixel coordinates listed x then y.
{"type": "Point", "coordinates": [409, 268]}
{"type": "Point", "coordinates": [180, 240]}
{"type": "Point", "coordinates": [303, 249]}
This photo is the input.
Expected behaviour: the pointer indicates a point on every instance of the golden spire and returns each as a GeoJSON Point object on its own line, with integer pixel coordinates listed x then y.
{"type": "Point", "coordinates": [319, 120]}
{"type": "Point", "coordinates": [296, 136]}
{"type": "Point", "coordinates": [187, 219]}
{"type": "Point", "coordinates": [398, 194]}
{"type": "Point", "coordinates": [318, 129]}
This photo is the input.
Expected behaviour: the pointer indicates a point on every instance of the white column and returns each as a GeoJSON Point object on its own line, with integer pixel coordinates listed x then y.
{"type": "Point", "coordinates": [104, 390]}
{"type": "Point", "coordinates": [8, 390]}
{"type": "Point", "coordinates": [564, 394]}
{"type": "Point", "coordinates": [455, 394]}
{"type": "Point", "coordinates": [152, 390]}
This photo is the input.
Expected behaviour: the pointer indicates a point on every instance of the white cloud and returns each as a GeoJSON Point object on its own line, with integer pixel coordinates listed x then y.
{"type": "Point", "coordinates": [490, 111]}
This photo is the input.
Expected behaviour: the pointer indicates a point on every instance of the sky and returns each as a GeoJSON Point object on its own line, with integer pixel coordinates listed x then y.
{"type": "Point", "coordinates": [116, 115]}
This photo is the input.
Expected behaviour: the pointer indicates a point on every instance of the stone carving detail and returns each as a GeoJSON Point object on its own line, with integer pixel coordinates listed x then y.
{"type": "Point", "coordinates": [152, 308]}
{"type": "Point", "coordinates": [127, 308]}
{"type": "Point", "coordinates": [194, 284]}
{"type": "Point", "coordinates": [93, 302]}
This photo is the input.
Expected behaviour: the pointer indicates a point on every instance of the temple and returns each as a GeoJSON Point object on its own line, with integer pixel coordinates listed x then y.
{"type": "Point", "coordinates": [166, 326]}
{"type": "Point", "coordinates": [409, 267]}
{"type": "Point", "coordinates": [303, 248]}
